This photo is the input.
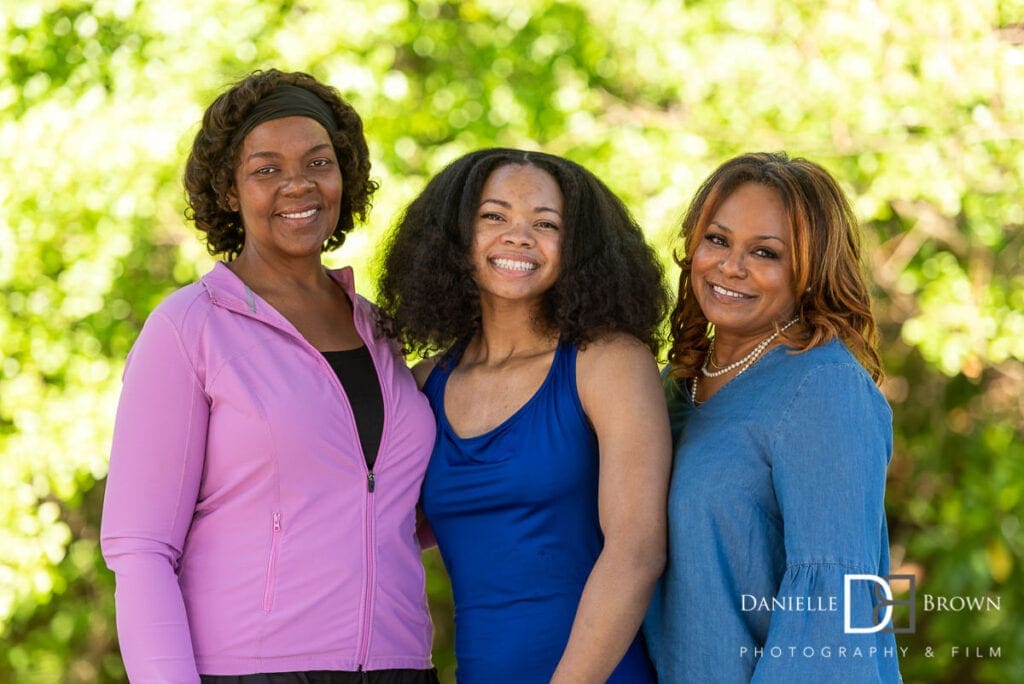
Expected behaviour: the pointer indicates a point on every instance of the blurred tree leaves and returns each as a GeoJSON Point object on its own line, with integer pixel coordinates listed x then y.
{"type": "Point", "coordinates": [910, 102]}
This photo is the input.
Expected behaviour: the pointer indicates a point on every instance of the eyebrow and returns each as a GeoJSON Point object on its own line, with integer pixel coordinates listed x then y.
{"type": "Point", "coordinates": [507, 205]}
{"type": "Point", "coordinates": [276, 155]}
{"type": "Point", "coordinates": [756, 237]}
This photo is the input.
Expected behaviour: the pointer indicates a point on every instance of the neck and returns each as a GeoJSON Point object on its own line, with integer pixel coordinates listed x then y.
{"type": "Point", "coordinates": [265, 275]}
{"type": "Point", "coordinates": [508, 331]}
{"type": "Point", "coordinates": [729, 347]}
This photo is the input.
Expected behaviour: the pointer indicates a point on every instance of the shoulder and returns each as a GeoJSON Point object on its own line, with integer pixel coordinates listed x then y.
{"type": "Point", "coordinates": [792, 369]}
{"type": "Point", "coordinates": [172, 336]}
{"type": "Point", "coordinates": [832, 352]}
{"type": "Point", "coordinates": [189, 307]}
{"type": "Point", "coordinates": [182, 302]}
{"type": "Point", "coordinates": [618, 362]}
{"type": "Point", "coordinates": [829, 378]}
{"type": "Point", "coordinates": [611, 352]}
{"type": "Point", "coordinates": [834, 360]}
{"type": "Point", "coordinates": [184, 311]}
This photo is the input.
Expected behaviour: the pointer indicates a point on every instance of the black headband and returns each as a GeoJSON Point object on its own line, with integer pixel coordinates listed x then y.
{"type": "Point", "coordinates": [288, 100]}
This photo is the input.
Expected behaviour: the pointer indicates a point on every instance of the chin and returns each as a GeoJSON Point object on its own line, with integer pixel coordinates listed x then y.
{"type": "Point", "coordinates": [732, 323]}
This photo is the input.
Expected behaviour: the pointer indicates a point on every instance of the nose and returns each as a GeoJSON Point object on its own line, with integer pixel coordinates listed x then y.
{"type": "Point", "coordinates": [732, 264]}
{"type": "Point", "coordinates": [297, 183]}
{"type": "Point", "coordinates": [519, 233]}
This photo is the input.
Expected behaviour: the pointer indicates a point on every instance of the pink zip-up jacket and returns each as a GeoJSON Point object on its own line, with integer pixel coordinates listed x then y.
{"type": "Point", "coordinates": [242, 524]}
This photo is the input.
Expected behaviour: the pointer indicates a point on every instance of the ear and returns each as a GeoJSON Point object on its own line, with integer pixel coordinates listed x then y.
{"type": "Point", "coordinates": [232, 198]}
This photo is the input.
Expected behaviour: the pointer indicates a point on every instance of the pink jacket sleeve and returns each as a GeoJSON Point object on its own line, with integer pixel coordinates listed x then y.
{"type": "Point", "coordinates": [156, 465]}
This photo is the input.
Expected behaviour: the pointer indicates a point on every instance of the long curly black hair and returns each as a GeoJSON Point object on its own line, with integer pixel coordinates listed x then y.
{"type": "Point", "coordinates": [610, 279]}
{"type": "Point", "coordinates": [210, 169]}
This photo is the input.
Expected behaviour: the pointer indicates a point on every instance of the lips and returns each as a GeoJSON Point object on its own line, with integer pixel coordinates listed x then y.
{"type": "Point", "coordinates": [514, 264]}
{"type": "Point", "coordinates": [299, 214]}
{"type": "Point", "coordinates": [727, 293]}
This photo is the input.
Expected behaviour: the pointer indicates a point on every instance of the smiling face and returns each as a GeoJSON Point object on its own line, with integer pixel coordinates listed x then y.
{"type": "Point", "coordinates": [517, 234]}
{"type": "Point", "coordinates": [742, 273]}
{"type": "Point", "coordinates": [287, 189]}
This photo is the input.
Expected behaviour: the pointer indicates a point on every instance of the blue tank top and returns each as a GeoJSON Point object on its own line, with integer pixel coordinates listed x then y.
{"type": "Point", "coordinates": [514, 511]}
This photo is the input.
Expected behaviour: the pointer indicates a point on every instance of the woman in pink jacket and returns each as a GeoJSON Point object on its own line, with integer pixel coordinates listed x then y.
{"type": "Point", "coordinates": [270, 444]}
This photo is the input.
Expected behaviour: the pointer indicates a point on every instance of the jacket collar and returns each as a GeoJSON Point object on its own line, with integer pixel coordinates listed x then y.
{"type": "Point", "coordinates": [227, 290]}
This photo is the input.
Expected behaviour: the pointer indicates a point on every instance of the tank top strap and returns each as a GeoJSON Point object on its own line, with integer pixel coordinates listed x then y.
{"type": "Point", "coordinates": [565, 363]}
{"type": "Point", "coordinates": [562, 385]}
{"type": "Point", "coordinates": [435, 383]}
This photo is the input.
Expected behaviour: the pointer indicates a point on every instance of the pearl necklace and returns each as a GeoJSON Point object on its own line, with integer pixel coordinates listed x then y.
{"type": "Point", "coordinates": [743, 364]}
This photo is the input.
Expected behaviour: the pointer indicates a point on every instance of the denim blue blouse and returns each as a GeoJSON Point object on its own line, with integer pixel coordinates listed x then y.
{"type": "Point", "coordinates": [777, 493]}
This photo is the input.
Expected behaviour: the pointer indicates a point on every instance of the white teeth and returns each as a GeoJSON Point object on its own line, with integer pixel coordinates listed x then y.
{"type": "Point", "coordinates": [300, 215]}
{"type": "Point", "coordinates": [514, 265]}
{"type": "Point", "coordinates": [728, 293]}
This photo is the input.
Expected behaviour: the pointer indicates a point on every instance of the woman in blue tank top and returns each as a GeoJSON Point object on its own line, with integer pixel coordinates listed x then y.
{"type": "Point", "coordinates": [546, 489]}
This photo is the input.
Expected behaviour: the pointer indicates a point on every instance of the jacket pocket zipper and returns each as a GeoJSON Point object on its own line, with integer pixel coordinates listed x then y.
{"type": "Point", "coordinates": [268, 593]}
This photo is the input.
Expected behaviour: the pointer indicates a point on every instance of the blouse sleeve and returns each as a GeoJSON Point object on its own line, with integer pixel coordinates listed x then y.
{"type": "Point", "coordinates": [155, 468]}
{"type": "Point", "coordinates": [830, 453]}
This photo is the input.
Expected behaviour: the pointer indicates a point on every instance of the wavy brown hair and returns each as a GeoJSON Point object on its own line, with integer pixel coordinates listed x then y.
{"type": "Point", "coordinates": [210, 169]}
{"type": "Point", "coordinates": [610, 280]}
{"type": "Point", "coordinates": [828, 285]}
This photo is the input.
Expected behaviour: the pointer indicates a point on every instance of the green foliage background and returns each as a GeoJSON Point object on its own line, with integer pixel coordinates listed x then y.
{"type": "Point", "coordinates": [914, 104]}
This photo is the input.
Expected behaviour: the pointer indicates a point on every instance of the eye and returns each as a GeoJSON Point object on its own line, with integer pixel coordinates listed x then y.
{"type": "Point", "coordinates": [264, 171]}
{"type": "Point", "coordinates": [715, 239]}
{"type": "Point", "coordinates": [766, 253]}
{"type": "Point", "coordinates": [320, 163]}
{"type": "Point", "coordinates": [550, 225]}
{"type": "Point", "coordinates": [491, 216]}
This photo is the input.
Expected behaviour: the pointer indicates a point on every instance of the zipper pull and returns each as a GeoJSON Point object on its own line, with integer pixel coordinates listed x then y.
{"type": "Point", "coordinates": [370, 482]}
{"type": "Point", "coordinates": [277, 522]}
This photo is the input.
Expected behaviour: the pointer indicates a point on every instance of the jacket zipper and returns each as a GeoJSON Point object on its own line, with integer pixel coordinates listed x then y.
{"type": "Point", "coordinates": [363, 638]}
{"type": "Point", "coordinates": [268, 593]}
{"type": "Point", "coordinates": [371, 485]}
{"type": "Point", "coordinates": [371, 563]}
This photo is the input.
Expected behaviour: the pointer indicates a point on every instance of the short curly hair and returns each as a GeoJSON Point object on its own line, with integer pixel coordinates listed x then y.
{"type": "Point", "coordinates": [828, 284]}
{"type": "Point", "coordinates": [210, 169]}
{"type": "Point", "coordinates": [610, 280]}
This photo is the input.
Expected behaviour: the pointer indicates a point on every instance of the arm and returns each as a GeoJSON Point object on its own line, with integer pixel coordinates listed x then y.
{"type": "Point", "coordinates": [155, 468]}
{"type": "Point", "coordinates": [424, 534]}
{"type": "Point", "coordinates": [829, 457]}
{"type": "Point", "coordinates": [631, 424]}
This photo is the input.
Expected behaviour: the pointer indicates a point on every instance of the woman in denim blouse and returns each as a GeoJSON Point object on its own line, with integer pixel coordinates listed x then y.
{"type": "Point", "coordinates": [781, 438]}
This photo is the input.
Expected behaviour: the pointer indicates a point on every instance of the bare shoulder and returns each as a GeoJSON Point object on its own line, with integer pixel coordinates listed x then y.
{"type": "Point", "coordinates": [614, 353]}
{"type": "Point", "coordinates": [421, 371]}
{"type": "Point", "coordinates": [618, 361]}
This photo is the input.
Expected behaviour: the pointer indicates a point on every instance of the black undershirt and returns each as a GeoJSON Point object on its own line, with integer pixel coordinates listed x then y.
{"type": "Point", "coordinates": [358, 377]}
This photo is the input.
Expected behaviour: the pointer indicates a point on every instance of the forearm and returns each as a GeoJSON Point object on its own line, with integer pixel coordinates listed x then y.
{"type": "Point", "coordinates": [610, 611]}
{"type": "Point", "coordinates": [152, 627]}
